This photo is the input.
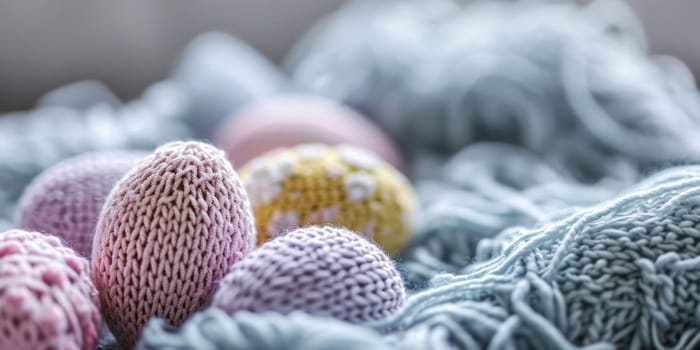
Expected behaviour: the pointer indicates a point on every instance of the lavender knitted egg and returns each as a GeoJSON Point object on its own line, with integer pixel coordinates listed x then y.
{"type": "Point", "coordinates": [65, 200]}
{"type": "Point", "coordinates": [169, 231]}
{"type": "Point", "coordinates": [47, 300]}
{"type": "Point", "coordinates": [321, 270]}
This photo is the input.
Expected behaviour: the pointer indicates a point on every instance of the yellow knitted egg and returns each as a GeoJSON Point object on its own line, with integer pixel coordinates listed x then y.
{"type": "Point", "coordinates": [319, 184]}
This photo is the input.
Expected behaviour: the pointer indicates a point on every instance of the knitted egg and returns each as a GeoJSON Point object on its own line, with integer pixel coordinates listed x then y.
{"type": "Point", "coordinates": [285, 121]}
{"type": "Point", "coordinates": [65, 200]}
{"type": "Point", "coordinates": [321, 270]}
{"type": "Point", "coordinates": [169, 231]}
{"type": "Point", "coordinates": [47, 300]}
{"type": "Point", "coordinates": [343, 185]}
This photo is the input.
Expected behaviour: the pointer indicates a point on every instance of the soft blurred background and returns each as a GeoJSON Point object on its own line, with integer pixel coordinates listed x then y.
{"type": "Point", "coordinates": [505, 116]}
{"type": "Point", "coordinates": [129, 44]}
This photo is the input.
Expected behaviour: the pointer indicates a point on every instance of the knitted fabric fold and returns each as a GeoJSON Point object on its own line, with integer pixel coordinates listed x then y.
{"type": "Point", "coordinates": [623, 273]}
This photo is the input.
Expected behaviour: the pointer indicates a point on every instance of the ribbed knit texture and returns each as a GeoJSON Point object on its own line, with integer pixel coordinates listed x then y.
{"type": "Point", "coordinates": [169, 231]}
{"type": "Point", "coordinates": [622, 274]}
{"type": "Point", "coordinates": [66, 199]}
{"type": "Point", "coordinates": [213, 329]}
{"type": "Point", "coordinates": [47, 300]}
{"type": "Point", "coordinates": [342, 185]}
{"type": "Point", "coordinates": [325, 271]}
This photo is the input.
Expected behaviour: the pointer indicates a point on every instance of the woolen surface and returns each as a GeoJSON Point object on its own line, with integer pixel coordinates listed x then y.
{"type": "Point", "coordinates": [47, 300]}
{"type": "Point", "coordinates": [66, 199]}
{"type": "Point", "coordinates": [319, 184]}
{"type": "Point", "coordinates": [321, 270]}
{"type": "Point", "coordinates": [168, 233]}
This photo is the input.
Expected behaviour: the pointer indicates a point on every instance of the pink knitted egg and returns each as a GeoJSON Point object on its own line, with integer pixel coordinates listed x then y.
{"type": "Point", "coordinates": [65, 200]}
{"type": "Point", "coordinates": [47, 300]}
{"type": "Point", "coordinates": [321, 270]}
{"type": "Point", "coordinates": [169, 231]}
{"type": "Point", "coordinates": [286, 121]}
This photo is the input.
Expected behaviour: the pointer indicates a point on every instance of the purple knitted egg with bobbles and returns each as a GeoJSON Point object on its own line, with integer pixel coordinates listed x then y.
{"type": "Point", "coordinates": [320, 270]}
{"type": "Point", "coordinates": [168, 232]}
{"type": "Point", "coordinates": [65, 200]}
{"type": "Point", "coordinates": [47, 300]}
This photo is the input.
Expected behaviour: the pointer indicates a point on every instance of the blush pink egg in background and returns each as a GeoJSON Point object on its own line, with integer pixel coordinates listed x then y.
{"type": "Point", "coordinates": [289, 120]}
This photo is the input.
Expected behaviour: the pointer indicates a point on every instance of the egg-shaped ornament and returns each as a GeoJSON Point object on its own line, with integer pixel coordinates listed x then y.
{"type": "Point", "coordinates": [47, 299]}
{"type": "Point", "coordinates": [341, 185]}
{"type": "Point", "coordinates": [321, 270]}
{"type": "Point", "coordinates": [169, 231]}
{"type": "Point", "coordinates": [290, 120]}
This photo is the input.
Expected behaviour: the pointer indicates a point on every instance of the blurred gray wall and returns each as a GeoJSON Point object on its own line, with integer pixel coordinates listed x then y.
{"type": "Point", "coordinates": [131, 43]}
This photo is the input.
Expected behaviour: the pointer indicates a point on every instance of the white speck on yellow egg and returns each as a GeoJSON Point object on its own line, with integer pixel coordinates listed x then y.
{"type": "Point", "coordinates": [359, 186]}
{"type": "Point", "coordinates": [333, 170]}
{"type": "Point", "coordinates": [357, 157]}
{"type": "Point", "coordinates": [284, 167]}
{"type": "Point", "coordinates": [310, 150]}
{"type": "Point", "coordinates": [264, 183]}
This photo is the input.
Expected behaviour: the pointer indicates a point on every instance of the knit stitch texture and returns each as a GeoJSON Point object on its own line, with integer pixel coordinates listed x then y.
{"type": "Point", "coordinates": [622, 274]}
{"type": "Point", "coordinates": [66, 199]}
{"type": "Point", "coordinates": [213, 329]}
{"type": "Point", "coordinates": [169, 231]}
{"type": "Point", "coordinates": [47, 300]}
{"type": "Point", "coordinates": [507, 187]}
{"type": "Point", "coordinates": [342, 185]}
{"type": "Point", "coordinates": [323, 271]}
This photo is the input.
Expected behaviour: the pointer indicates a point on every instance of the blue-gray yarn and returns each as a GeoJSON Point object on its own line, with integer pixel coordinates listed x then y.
{"type": "Point", "coordinates": [622, 274]}
{"type": "Point", "coordinates": [107, 340]}
{"type": "Point", "coordinates": [574, 84]}
{"type": "Point", "coordinates": [220, 74]}
{"type": "Point", "coordinates": [33, 141]}
{"type": "Point", "coordinates": [483, 190]}
{"type": "Point", "coordinates": [80, 95]}
{"type": "Point", "coordinates": [213, 329]}
{"type": "Point", "coordinates": [625, 272]}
